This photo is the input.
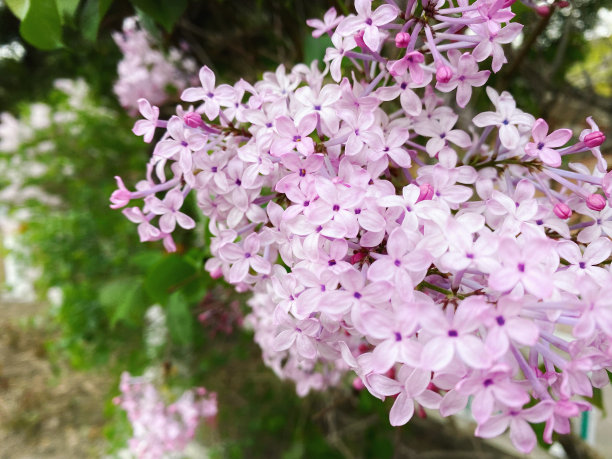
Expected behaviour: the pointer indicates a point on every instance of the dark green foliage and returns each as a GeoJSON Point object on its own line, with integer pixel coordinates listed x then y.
{"type": "Point", "coordinates": [537, 70]}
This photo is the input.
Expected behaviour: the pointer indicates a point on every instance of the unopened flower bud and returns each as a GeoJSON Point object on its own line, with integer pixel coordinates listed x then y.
{"type": "Point", "coordinates": [402, 39]}
{"type": "Point", "coordinates": [563, 4]}
{"type": "Point", "coordinates": [426, 192]}
{"type": "Point", "coordinates": [120, 197]}
{"type": "Point", "coordinates": [543, 10]}
{"type": "Point", "coordinates": [444, 73]}
{"type": "Point", "coordinates": [217, 273]}
{"type": "Point", "coordinates": [359, 40]}
{"type": "Point", "coordinates": [358, 384]}
{"type": "Point", "coordinates": [357, 257]}
{"type": "Point", "coordinates": [562, 210]}
{"type": "Point", "coordinates": [596, 202]}
{"type": "Point", "coordinates": [594, 139]}
{"type": "Point", "coordinates": [193, 119]}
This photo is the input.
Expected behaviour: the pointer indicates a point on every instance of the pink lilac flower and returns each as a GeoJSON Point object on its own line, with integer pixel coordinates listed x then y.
{"type": "Point", "coordinates": [368, 22]}
{"type": "Point", "coordinates": [213, 97]}
{"type": "Point", "coordinates": [466, 76]}
{"type": "Point", "coordinates": [491, 41]}
{"type": "Point", "coordinates": [412, 387]}
{"type": "Point", "coordinates": [244, 257]}
{"type": "Point", "coordinates": [146, 127]}
{"type": "Point", "coordinates": [335, 55]}
{"type": "Point", "coordinates": [169, 211]}
{"type": "Point", "coordinates": [292, 136]}
{"type": "Point", "coordinates": [382, 235]}
{"type": "Point", "coordinates": [161, 429]}
{"type": "Point", "coordinates": [506, 118]}
{"type": "Point", "coordinates": [329, 22]}
{"type": "Point", "coordinates": [521, 434]}
{"type": "Point", "coordinates": [182, 143]}
{"type": "Point", "coordinates": [524, 265]}
{"type": "Point", "coordinates": [543, 143]}
{"type": "Point", "coordinates": [454, 337]}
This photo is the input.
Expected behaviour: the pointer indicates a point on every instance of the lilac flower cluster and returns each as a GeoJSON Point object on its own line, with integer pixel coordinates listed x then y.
{"type": "Point", "coordinates": [147, 72]}
{"type": "Point", "coordinates": [438, 263]}
{"type": "Point", "coordinates": [160, 430]}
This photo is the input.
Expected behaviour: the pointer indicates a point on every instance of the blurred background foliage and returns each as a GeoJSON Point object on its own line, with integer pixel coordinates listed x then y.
{"type": "Point", "coordinates": [560, 68]}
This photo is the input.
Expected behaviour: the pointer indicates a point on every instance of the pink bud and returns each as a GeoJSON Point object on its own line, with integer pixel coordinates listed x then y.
{"type": "Point", "coordinates": [594, 139]}
{"type": "Point", "coordinates": [563, 4]}
{"type": "Point", "coordinates": [402, 39]}
{"type": "Point", "coordinates": [543, 10]}
{"type": "Point", "coordinates": [358, 384]}
{"type": "Point", "coordinates": [562, 210]}
{"type": "Point", "coordinates": [426, 192]}
{"type": "Point", "coordinates": [444, 73]}
{"type": "Point", "coordinates": [217, 273]}
{"type": "Point", "coordinates": [357, 257]}
{"type": "Point", "coordinates": [120, 197]}
{"type": "Point", "coordinates": [193, 119]}
{"type": "Point", "coordinates": [359, 40]}
{"type": "Point", "coordinates": [596, 202]}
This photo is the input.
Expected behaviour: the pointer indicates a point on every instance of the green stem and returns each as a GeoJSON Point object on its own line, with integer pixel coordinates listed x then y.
{"type": "Point", "coordinates": [435, 288]}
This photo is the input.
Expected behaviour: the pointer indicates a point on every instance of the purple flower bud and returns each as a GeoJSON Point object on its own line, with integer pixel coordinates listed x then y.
{"type": "Point", "coordinates": [120, 197]}
{"type": "Point", "coordinates": [594, 139]}
{"type": "Point", "coordinates": [402, 39]}
{"type": "Point", "coordinates": [426, 192]}
{"type": "Point", "coordinates": [359, 40]}
{"type": "Point", "coordinates": [596, 202]}
{"type": "Point", "coordinates": [357, 257]}
{"type": "Point", "coordinates": [444, 73]}
{"type": "Point", "coordinates": [358, 384]}
{"type": "Point", "coordinates": [543, 10]}
{"type": "Point", "coordinates": [193, 119]}
{"type": "Point", "coordinates": [562, 210]}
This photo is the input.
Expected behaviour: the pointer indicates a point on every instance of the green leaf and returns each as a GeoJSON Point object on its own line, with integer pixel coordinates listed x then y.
{"type": "Point", "coordinates": [314, 48]}
{"type": "Point", "coordinates": [91, 16]}
{"type": "Point", "coordinates": [67, 8]}
{"type": "Point", "coordinates": [165, 13]}
{"type": "Point", "coordinates": [42, 25]}
{"type": "Point", "coordinates": [18, 7]}
{"type": "Point", "coordinates": [124, 300]}
{"type": "Point", "coordinates": [168, 275]}
{"type": "Point", "coordinates": [179, 319]}
{"type": "Point", "coordinates": [147, 258]}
